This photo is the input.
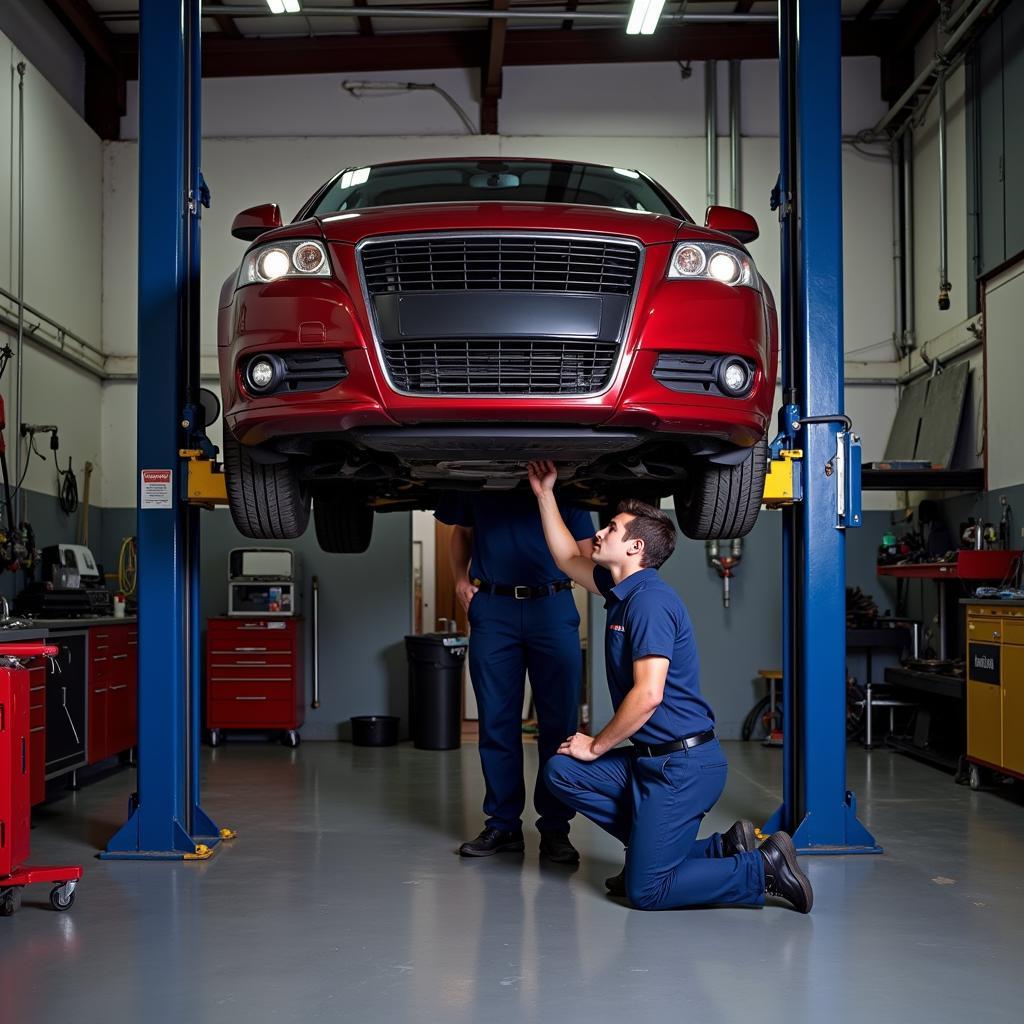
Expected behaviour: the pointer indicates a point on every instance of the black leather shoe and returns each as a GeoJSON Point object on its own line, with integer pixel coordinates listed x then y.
{"type": "Point", "coordinates": [555, 847]}
{"type": "Point", "coordinates": [739, 839]}
{"type": "Point", "coordinates": [616, 885]}
{"type": "Point", "coordinates": [782, 874]}
{"type": "Point", "coordinates": [492, 841]}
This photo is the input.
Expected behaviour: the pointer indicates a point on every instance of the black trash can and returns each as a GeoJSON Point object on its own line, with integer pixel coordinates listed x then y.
{"type": "Point", "coordinates": [435, 689]}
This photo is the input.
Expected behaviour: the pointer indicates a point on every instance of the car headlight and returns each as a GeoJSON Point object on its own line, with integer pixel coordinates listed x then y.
{"type": "Point", "coordinates": [709, 261]}
{"type": "Point", "coordinates": [302, 258]}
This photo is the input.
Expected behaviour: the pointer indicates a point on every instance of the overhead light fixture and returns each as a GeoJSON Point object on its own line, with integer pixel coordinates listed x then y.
{"type": "Point", "coordinates": [284, 6]}
{"type": "Point", "coordinates": [643, 18]}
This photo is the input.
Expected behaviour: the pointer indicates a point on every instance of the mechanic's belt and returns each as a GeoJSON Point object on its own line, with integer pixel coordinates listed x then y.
{"type": "Point", "coordinates": [660, 749]}
{"type": "Point", "coordinates": [522, 593]}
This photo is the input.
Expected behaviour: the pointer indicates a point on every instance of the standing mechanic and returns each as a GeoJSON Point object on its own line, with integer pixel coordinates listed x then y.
{"type": "Point", "coordinates": [523, 618]}
{"type": "Point", "coordinates": [652, 796]}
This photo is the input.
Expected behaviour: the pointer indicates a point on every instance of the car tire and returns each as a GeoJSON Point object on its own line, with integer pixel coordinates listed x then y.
{"type": "Point", "coordinates": [343, 525]}
{"type": "Point", "coordinates": [723, 501]}
{"type": "Point", "coordinates": [267, 500]}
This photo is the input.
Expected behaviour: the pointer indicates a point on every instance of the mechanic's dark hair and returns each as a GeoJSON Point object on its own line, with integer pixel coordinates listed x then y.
{"type": "Point", "coordinates": [653, 527]}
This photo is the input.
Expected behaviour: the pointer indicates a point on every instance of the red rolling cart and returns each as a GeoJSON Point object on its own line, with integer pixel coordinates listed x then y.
{"type": "Point", "coordinates": [15, 782]}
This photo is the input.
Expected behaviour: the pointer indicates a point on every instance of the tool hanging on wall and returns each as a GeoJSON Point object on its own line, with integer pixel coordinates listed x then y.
{"type": "Point", "coordinates": [83, 514]}
{"type": "Point", "coordinates": [724, 564]}
{"type": "Point", "coordinates": [17, 542]}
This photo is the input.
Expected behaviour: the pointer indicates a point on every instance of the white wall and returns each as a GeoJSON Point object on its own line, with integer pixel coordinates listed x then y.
{"type": "Point", "coordinates": [63, 242]}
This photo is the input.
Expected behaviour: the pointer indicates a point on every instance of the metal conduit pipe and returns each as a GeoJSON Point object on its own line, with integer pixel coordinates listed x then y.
{"type": "Point", "coordinates": [735, 70]}
{"type": "Point", "coordinates": [944, 284]}
{"type": "Point", "coordinates": [897, 251]}
{"type": "Point", "coordinates": [909, 327]}
{"type": "Point", "coordinates": [711, 129]}
{"type": "Point", "coordinates": [941, 59]}
{"type": "Point", "coordinates": [19, 346]}
{"type": "Point", "coordinates": [486, 14]}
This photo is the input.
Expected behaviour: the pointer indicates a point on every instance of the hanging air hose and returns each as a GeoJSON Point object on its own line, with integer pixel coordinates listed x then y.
{"type": "Point", "coordinates": [127, 567]}
{"type": "Point", "coordinates": [67, 488]}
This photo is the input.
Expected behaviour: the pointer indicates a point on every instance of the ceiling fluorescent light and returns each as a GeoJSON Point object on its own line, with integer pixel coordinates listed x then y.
{"type": "Point", "coordinates": [284, 6]}
{"type": "Point", "coordinates": [276, 6]}
{"type": "Point", "coordinates": [292, 6]}
{"type": "Point", "coordinates": [650, 22]}
{"type": "Point", "coordinates": [637, 16]}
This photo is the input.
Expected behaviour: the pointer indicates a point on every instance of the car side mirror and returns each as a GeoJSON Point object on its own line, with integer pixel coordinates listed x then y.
{"type": "Point", "coordinates": [733, 222]}
{"type": "Point", "coordinates": [255, 221]}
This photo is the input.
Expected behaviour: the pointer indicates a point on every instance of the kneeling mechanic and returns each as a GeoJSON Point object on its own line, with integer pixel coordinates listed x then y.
{"type": "Point", "coordinates": [653, 795]}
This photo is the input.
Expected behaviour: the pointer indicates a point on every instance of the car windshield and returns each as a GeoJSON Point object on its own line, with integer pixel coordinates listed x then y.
{"type": "Point", "coordinates": [519, 181]}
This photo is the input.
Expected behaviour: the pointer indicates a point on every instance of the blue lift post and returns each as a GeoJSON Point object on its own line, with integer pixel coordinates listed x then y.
{"type": "Point", "coordinates": [166, 821]}
{"type": "Point", "coordinates": [816, 809]}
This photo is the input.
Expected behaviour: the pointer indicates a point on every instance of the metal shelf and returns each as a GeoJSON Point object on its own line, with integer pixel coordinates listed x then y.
{"type": "Point", "coordinates": [922, 479]}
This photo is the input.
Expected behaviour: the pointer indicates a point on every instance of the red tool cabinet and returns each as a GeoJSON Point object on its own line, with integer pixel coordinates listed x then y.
{"type": "Point", "coordinates": [254, 676]}
{"type": "Point", "coordinates": [15, 790]}
{"type": "Point", "coordinates": [113, 690]}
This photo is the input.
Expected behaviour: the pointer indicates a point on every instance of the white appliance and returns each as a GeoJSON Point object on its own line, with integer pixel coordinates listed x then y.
{"type": "Point", "coordinates": [264, 582]}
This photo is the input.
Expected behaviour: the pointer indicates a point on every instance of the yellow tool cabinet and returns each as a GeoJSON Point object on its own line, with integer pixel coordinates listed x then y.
{"type": "Point", "coordinates": [995, 686]}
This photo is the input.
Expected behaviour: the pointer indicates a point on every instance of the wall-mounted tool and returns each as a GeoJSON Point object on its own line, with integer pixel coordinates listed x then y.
{"type": "Point", "coordinates": [724, 557]}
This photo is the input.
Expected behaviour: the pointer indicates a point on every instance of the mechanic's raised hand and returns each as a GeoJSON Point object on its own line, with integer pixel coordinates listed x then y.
{"type": "Point", "coordinates": [542, 477]}
{"type": "Point", "coordinates": [580, 746]}
{"type": "Point", "coordinates": [465, 592]}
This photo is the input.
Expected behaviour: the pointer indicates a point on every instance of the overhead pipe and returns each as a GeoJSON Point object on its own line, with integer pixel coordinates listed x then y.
{"type": "Point", "coordinates": [944, 285]}
{"type": "Point", "coordinates": [485, 14]}
{"type": "Point", "coordinates": [735, 71]}
{"type": "Point", "coordinates": [898, 328]}
{"type": "Point", "coordinates": [711, 129]}
{"type": "Point", "coordinates": [909, 326]}
{"type": "Point", "coordinates": [19, 345]}
{"type": "Point", "coordinates": [942, 59]}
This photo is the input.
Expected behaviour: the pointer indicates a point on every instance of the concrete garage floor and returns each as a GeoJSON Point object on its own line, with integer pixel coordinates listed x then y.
{"type": "Point", "coordinates": [343, 900]}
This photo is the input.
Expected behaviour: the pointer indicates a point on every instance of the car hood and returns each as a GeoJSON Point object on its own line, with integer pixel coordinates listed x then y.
{"type": "Point", "coordinates": [647, 228]}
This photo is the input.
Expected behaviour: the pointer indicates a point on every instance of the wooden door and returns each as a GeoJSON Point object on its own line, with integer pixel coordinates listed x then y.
{"type": "Point", "coordinates": [445, 602]}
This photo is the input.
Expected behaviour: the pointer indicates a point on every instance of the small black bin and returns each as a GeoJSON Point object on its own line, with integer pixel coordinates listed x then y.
{"type": "Point", "coordinates": [374, 730]}
{"type": "Point", "coordinates": [435, 689]}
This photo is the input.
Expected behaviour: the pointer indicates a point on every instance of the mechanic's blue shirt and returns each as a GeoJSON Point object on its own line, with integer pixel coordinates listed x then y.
{"type": "Point", "coordinates": [508, 539]}
{"type": "Point", "coordinates": [646, 618]}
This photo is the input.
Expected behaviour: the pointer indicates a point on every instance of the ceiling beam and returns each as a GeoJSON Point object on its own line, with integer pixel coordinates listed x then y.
{"type": "Point", "coordinates": [410, 51]}
{"type": "Point", "coordinates": [490, 77]}
{"type": "Point", "coordinates": [570, 6]}
{"type": "Point", "coordinates": [104, 75]}
{"type": "Point", "coordinates": [867, 12]}
{"type": "Point", "coordinates": [228, 27]}
{"type": "Point", "coordinates": [365, 24]}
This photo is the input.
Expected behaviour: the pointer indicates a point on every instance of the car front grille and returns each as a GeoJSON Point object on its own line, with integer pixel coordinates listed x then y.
{"type": "Point", "coordinates": [491, 366]}
{"type": "Point", "coordinates": [499, 263]}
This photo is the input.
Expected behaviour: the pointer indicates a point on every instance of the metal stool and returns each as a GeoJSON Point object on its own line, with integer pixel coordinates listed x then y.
{"type": "Point", "coordinates": [870, 703]}
{"type": "Point", "coordinates": [773, 676]}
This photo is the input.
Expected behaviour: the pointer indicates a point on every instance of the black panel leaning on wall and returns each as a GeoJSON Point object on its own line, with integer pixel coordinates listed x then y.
{"type": "Point", "coordinates": [365, 612]}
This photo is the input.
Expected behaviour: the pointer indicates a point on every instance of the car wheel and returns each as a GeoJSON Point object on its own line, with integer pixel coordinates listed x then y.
{"type": "Point", "coordinates": [344, 525]}
{"type": "Point", "coordinates": [723, 501]}
{"type": "Point", "coordinates": [267, 501]}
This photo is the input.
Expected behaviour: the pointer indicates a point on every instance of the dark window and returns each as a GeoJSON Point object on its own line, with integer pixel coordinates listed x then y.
{"type": "Point", "coordinates": [517, 181]}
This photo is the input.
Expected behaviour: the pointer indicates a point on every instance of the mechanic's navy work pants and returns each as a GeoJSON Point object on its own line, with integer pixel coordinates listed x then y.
{"type": "Point", "coordinates": [508, 638]}
{"type": "Point", "coordinates": [654, 805]}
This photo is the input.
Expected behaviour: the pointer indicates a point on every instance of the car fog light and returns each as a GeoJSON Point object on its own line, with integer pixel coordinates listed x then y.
{"type": "Point", "coordinates": [261, 374]}
{"type": "Point", "coordinates": [725, 268]}
{"type": "Point", "coordinates": [274, 263]}
{"type": "Point", "coordinates": [688, 260]}
{"type": "Point", "coordinates": [308, 258]}
{"type": "Point", "coordinates": [734, 376]}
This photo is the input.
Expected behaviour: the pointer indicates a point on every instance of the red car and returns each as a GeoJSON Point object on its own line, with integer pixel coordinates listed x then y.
{"type": "Point", "coordinates": [432, 325]}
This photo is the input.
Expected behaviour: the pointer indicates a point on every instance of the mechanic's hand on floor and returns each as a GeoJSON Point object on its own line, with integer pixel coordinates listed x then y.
{"type": "Point", "coordinates": [465, 592]}
{"type": "Point", "coordinates": [579, 746]}
{"type": "Point", "coordinates": [542, 477]}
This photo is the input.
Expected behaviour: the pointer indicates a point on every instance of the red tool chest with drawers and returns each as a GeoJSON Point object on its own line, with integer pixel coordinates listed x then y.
{"type": "Point", "coordinates": [15, 807]}
{"type": "Point", "coordinates": [254, 676]}
{"type": "Point", "coordinates": [113, 690]}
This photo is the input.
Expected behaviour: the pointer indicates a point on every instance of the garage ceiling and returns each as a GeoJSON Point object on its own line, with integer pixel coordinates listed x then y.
{"type": "Point", "coordinates": [243, 38]}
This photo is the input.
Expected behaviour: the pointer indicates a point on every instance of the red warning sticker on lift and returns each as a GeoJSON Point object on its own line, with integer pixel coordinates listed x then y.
{"type": "Point", "coordinates": [155, 491]}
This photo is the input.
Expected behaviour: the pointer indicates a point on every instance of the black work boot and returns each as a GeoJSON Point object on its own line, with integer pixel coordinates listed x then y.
{"type": "Point", "coordinates": [491, 841]}
{"type": "Point", "coordinates": [616, 885]}
{"type": "Point", "coordinates": [556, 847]}
{"type": "Point", "coordinates": [782, 874]}
{"type": "Point", "coordinates": [739, 838]}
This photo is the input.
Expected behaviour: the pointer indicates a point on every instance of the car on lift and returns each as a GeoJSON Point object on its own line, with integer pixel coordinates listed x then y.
{"type": "Point", "coordinates": [434, 325]}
